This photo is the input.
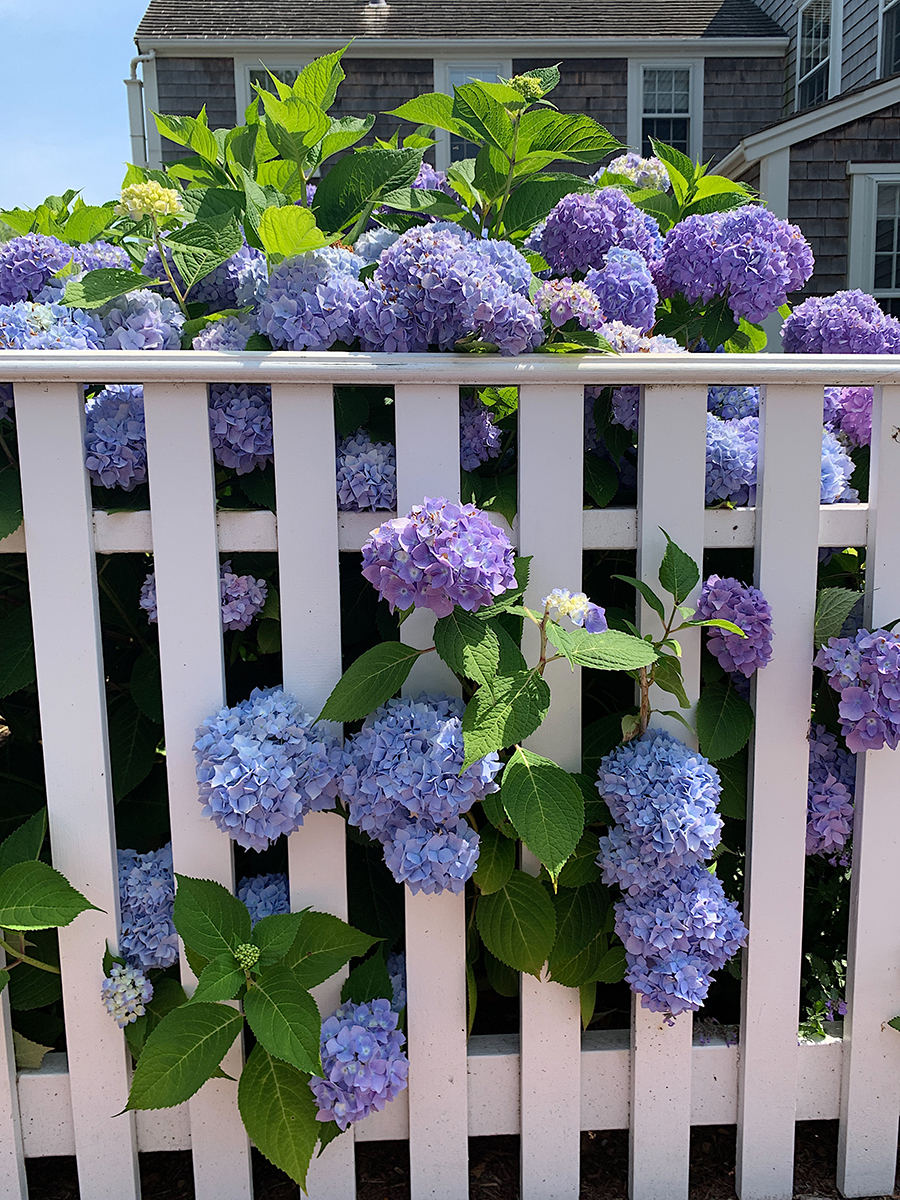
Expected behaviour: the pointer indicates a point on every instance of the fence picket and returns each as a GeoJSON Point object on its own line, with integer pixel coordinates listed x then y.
{"type": "Point", "coordinates": [13, 1185]}
{"type": "Point", "coordinates": [309, 593]}
{"type": "Point", "coordinates": [186, 562]}
{"type": "Point", "coordinates": [551, 454]}
{"type": "Point", "coordinates": [787, 521]}
{"type": "Point", "coordinates": [72, 697]}
{"type": "Point", "coordinates": [870, 1092]}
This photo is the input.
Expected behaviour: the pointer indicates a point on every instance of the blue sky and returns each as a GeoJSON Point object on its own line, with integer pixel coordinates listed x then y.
{"type": "Point", "coordinates": [63, 111]}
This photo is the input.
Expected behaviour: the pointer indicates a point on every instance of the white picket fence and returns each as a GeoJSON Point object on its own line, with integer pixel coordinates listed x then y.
{"type": "Point", "coordinates": [552, 1081]}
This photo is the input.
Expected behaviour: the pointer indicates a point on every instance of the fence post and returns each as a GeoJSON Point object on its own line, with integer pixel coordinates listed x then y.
{"type": "Point", "coordinates": [310, 600]}
{"type": "Point", "coordinates": [787, 537]}
{"type": "Point", "coordinates": [13, 1185]}
{"type": "Point", "coordinates": [870, 1079]}
{"type": "Point", "coordinates": [68, 650]}
{"type": "Point", "coordinates": [186, 562]}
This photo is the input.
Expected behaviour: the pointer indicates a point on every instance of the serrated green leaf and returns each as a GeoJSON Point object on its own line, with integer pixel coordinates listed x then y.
{"type": "Point", "coordinates": [422, 200]}
{"type": "Point", "coordinates": [35, 896]}
{"type": "Point", "coordinates": [598, 739]}
{"type": "Point", "coordinates": [511, 657]}
{"type": "Point", "coordinates": [716, 623]}
{"type": "Point", "coordinates": [724, 721]}
{"type": "Point", "coordinates": [733, 774]}
{"type": "Point", "coordinates": [588, 1000]}
{"type": "Point", "coordinates": [268, 636]}
{"type": "Point", "coordinates": [368, 981]}
{"type": "Point", "coordinates": [146, 686]}
{"type": "Point", "coordinates": [475, 108]}
{"type": "Point", "coordinates": [609, 651]}
{"type": "Point", "coordinates": [601, 480]}
{"type": "Point", "coordinates": [28, 1054]}
{"type": "Point", "coordinates": [581, 868]}
{"type": "Point", "coordinates": [496, 814]}
{"type": "Point", "coordinates": [595, 809]}
{"type": "Point", "coordinates": [284, 1017]}
{"type": "Point", "coordinates": [370, 681]}
{"type": "Point", "coordinates": [200, 247]}
{"type": "Point", "coordinates": [133, 740]}
{"type": "Point", "coordinates": [894, 1022]}
{"type": "Point", "coordinates": [667, 676]}
{"type": "Point", "coordinates": [507, 712]}
{"type": "Point", "coordinates": [496, 860]}
{"type": "Point", "coordinates": [503, 979]}
{"type": "Point", "coordinates": [345, 132]}
{"type": "Point", "coordinates": [678, 573]}
{"type": "Point", "coordinates": [181, 1053]}
{"type": "Point", "coordinates": [189, 131]}
{"type": "Point", "coordinates": [98, 287]}
{"type": "Point", "coordinates": [4, 979]}
{"type": "Point", "coordinates": [545, 806]}
{"type": "Point", "coordinates": [279, 1112]}
{"type": "Point", "coordinates": [24, 844]}
{"type": "Point", "coordinates": [209, 919]}
{"type": "Point", "coordinates": [275, 934]}
{"type": "Point", "coordinates": [434, 109]}
{"type": "Point", "coordinates": [30, 987]}
{"type": "Point", "coordinates": [468, 646]}
{"type": "Point", "coordinates": [10, 501]}
{"type": "Point", "coordinates": [518, 923]}
{"type": "Point", "coordinates": [612, 965]}
{"type": "Point", "coordinates": [533, 199]}
{"type": "Point", "coordinates": [360, 179]}
{"type": "Point", "coordinates": [567, 136]}
{"type": "Point", "coordinates": [221, 979]}
{"type": "Point", "coordinates": [323, 944]}
{"type": "Point", "coordinates": [833, 607]}
{"type": "Point", "coordinates": [581, 943]}
{"type": "Point", "coordinates": [647, 592]}
{"type": "Point", "coordinates": [289, 231]}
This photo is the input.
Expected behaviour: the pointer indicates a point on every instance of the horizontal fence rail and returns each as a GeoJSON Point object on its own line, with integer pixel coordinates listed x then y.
{"type": "Point", "coordinates": [551, 1081]}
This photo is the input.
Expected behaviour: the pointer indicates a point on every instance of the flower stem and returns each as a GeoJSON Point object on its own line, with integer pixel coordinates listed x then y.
{"type": "Point", "coordinates": [21, 957]}
{"type": "Point", "coordinates": [165, 262]}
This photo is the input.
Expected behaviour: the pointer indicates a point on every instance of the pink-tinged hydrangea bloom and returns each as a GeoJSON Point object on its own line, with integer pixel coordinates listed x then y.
{"type": "Point", "coordinates": [830, 792]}
{"type": "Point", "coordinates": [147, 899]}
{"type": "Point", "coordinates": [581, 611]}
{"type": "Point", "coordinates": [850, 322]}
{"type": "Point", "coordinates": [243, 598]}
{"type": "Point", "coordinates": [126, 992]}
{"type": "Point", "coordinates": [363, 1062]}
{"type": "Point", "coordinates": [865, 670]}
{"type": "Point", "coordinates": [439, 555]}
{"type": "Point", "coordinates": [115, 439]}
{"type": "Point", "coordinates": [366, 474]}
{"type": "Point", "coordinates": [582, 229]}
{"type": "Point", "coordinates": [240, 425]}
{"type": "Point", "coordinates": [265, 895]}
{"type": "Point", "coordinates": [746, 607]}
{"type": "Point", "coordinates": [312, 300]}
{"type": "Point", "coordinates": [643, 172]}
{"type": "Point", "coordinates": [564, 300]}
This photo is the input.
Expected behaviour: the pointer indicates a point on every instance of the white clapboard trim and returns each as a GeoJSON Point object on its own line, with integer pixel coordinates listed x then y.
{"type": "Point", "coordinates": [309, 593]}
{"type": "Point", "coordinates": [787, 521]}
{"type": "Point", "coordinates": [13, 1185]}
{"type": "Point", "coordinates": [671, 483]}
{"type": "Point", "coordinates": [72, 698]}
{"type": "Point", "coordinates": [870, 1099]}
{"type": "Point", "coordinates": [427, 439]}
{"type": "Point", "coordinates": [551, 456]}
{"type": "Point", "coordinates": [186, 562]}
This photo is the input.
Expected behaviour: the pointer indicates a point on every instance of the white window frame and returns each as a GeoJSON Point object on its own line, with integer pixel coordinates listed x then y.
{"type": "Point", "coordinates": [245, 63]}
{"type": "Point", "coordinates": [443, 69]}
{"type": "Point", "coordinates": [635, 114]}
{"type": "Point", "coordinates": [883, 6]}
{"type": "Point", "coordinates": [864, 180]}
{"type": "Point", "coordinates": [835, 49]}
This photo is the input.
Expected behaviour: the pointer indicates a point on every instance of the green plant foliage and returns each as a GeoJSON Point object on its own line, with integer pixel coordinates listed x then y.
{"type": "Point", "coordinates": [369, 980]}
{"type": "Point", "coordinates": [545, 806]}
{"type": "Point", "coordinates": [724, 721]}
{"type": "Point", "coordinates": [284, 1017]}
{"type": "Point", "coordinates": [468, 646]}
{"type": "Point", "coordinates": [17, 665]}
{"type": "Point", "coordinates": [507, 712]}
{"type": "Point", "coordinates": [209, 918]}
{"type": "Point", "coordinates": [833, 607]}
{"type": "Point", "coordinates": [581, 942]}
{"type": "Point", "coordinates": [10, 501]}
{"type": "Point", "coordinates": [369, 682]}
{"type": "Point", "coordinates": [518, 923]}
{"type": "Point", "coordinates": [279, 1112]}
{"type": "Point", "coordinates": [35, 896]}
{"type": "Point", "coordinates": [181, 1053]}
{"type": "Point", "coordinates": [496, 860]}
{"type": "Point", "coordinates": [322, 946]}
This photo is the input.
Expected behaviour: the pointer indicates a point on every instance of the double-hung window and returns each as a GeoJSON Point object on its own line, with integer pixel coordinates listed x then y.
{"type": "Point", "coordinates": [813, 53]}
{"type": "Point", "coordinates": [874, 250]}
{"type": "Point", "coordinates": [665, 101]}
{"type": "Point", "coordinates": [890, 37]}
{"type": "Point", "coordinates": [449, 75]}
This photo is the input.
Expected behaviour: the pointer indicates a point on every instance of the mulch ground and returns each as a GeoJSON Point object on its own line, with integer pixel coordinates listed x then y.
{"type": "Point", "coordinates": [383, 1169]}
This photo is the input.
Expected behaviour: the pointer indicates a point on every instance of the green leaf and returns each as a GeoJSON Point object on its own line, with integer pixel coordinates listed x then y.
{"type": "Point", "coordinates": [279, 1112]}
{"type": "Point", "coordinates": [496, 814]}
{"type": "Point", "coordinates": [323, 944]}
{"type": "Point", "coordinates": [601, 480]}
{"type": "Point", "coordinates": [496, 860]}
{"type": "Point", "coordinates": [209, 919]}
{"type": "Point", "coordinates": [221, 979]}
{"type": "Point", "coordinates": [24, 844]}
{"type": "Point", "coordinates": [289, 231]}
{"type": "Point", "coordinates": [894, 1022]}
{"type": "Point", "coordinates": [474, 107]}
{"type": "Point", "coordinates": [360, 179]}
{"type": "Point", "coordinates": [4, 979]}
{"type": "Point", "coordinates": [284, 1017]}
{"type": "Point", "coordinates": [368, 981]}
{"type": "Point", "coordinates": [468, 646]}
{"type": "Point", "coordinates": [35, 896]}
{"type": "Point", "coordinates": [275, 935]}
{"type": "Point", "coordinates": [609, 651]}
{"type": "Point", "coordinates": [293, 125]}
{"type": "Point", "coordinates": [533, 199]}
{"type": "Point", "coordinates": [724, 721]}
{"type": "Point", "coordinates": [422, 200]}
{"type": "Point", "coordinates": [648, 593]}
{"type": "Point", "coordinates": [88, 222]}
{"type": "Point", "coordinates": [133, 740]}
{"type": "Point", "coordinates": [667, 675]}
{"type": "Point", "coordinates": [833, 607]}
{"type": "Point", "coordinates": [319, 80]}
{"type": "Point", "coordinates": [432, 109]}
{"type": "Point", "coordinates": [507, 712]}
{"type": "Point", "coordinates": [545, 806]}
{"type": "Point", "coordinates": [581, 943]}
{"type": "Point", "coordinates": [10, 501]}
{"type": "Point", "coordinates": [518, 923]}
{"type": "Point", "coordinates": [146, 686]}
{"type": "Point", "coordinates": [190, 131]}
{"type": "Point", "coordinates": [268, 637]}
{"type": "Point", "coordinates": [370, 681]}
{"type": "Point", "coordinates": [208, 202]}
{"type": "Point", "coordinates": [582, 867]}
{"type": "Point", "coordinates": [181, 1053]}
{"type": "Point", "coordinates": [240, 146]}
{"type": "Point", "coordinates": [588, 998]}
{"type": "Point", "coordinates": [28, 1054]}
{"type": "Point", "coordinates": [716, 623]}
{"type": "Point", "coordinates": [345, 132]}
{"type": "Point", "coordinates": [577, 138]}
{"type": "Point", "coordinates": [30, 987]}
{"type": "Point", "coordinates": [351, 410]}
{"type": "Point", "coordinates": [471, 998]}
{"type": "Point", "coordinates": [612, 965]}
{"type": "Point", "coordinates": [503, 979]}
{"type": "Point", "coordinates": [511, 657]}
{"type": "Point", "coordinates": [96, 288]}
{"type": "Point", "coordinates": [199, 248]}
{"type": "Point", "coordinates": [678, 573]}
{"type": "Point", "coordinates": [598, 739]}
{"type": "Point", "coordinates": [733, 774]}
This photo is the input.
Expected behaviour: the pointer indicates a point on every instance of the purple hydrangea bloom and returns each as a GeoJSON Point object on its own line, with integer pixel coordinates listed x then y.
{"type": "Point", "coordinates": [432, 180]}
{"type": "Point", "coordinates": [142, 321]}
{"type": "Point", "coordinates": [581, 611]}
{"type": "Point", "coordinates": [265, 895]}
{"type": "Point", "coordinates": [850, 322]}
{"type": "Point", "coordinates": [643, 172]}
{"type": "Point", "coordinates": [373, 243]}
{"type": "Point", "coordinates": [673, 983]}
{"type": "Point", "coordinates": [830, 792]}
{"type": "Point", "coordinates": [583, 227]}
{"type": "Point", "coordinates": [396, 969]}
{"type": "Point", "coordinates": [837, 470]}
{"type": "Point", "coordinates": [243, 598]}
{"type": "Point", "coordinates": [28, 326]}
{"type": "Point", "coordinates": [850, 409]}
{"type": "Point", "coordinates": [366, 474]}
{"type": "Point", "coordinates": [628, 340]}
{"type": "Point", "coordinates": [439, 555]}
{"type": "Point", "coordinates": [626, 407]}
{"type": "Point", "coordinates": [746, 607]}
{"type": "Point", "coordinates": [312, 299]}
{"type": "Point", "coordinates": [625, 289]}
{"type": "Point", "coordinates": [6, 399]}
{"type": "Point", "coordinates": [865, 670]}
{"type": "Point", "coordinates": [432, 858]}
{"type": "Point", "coordinates": [235, 283]}
{"type": "Point", "coordinates": [564, 300]}
{"type": "Point", "coordinates": [126, 992]}
{"type": "Point", "coordinates": [240, 425]}
{"type": "Point", "coordinates": [115, 439]}
{"type": "Point", "coordinates": [507, 261]}
{"type": "Point", "coordinates": [261, 768]}
{"type": "Point", "coordinates": [733, 403]}
{"type": "Point", "coordinates": [94, 256]}
{"type": "Point", "coordinates": [748, 255]}
{"type": "Point", "coordinates": [731, 457]}
{"type": "Point", "coordinates": [147, 898]}
{"type": "Point", "coordinates": [231, 333]}
{"type": "Point", "coordinates": [363, 1062]}
{"type": "Point", "coordinates": [479, 437]}
{"type": "Point", "coordinates": [28, 262]}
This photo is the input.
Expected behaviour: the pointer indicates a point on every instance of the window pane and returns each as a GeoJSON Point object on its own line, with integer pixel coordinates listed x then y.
{"type": "Point", "coordinates": [888, 196]}
{"type": "Point", "coordinates": [884, 270]}
{"type": "Point", "coordinates": [890, 41]}
{"type": "Point", "coordinates": [666, 90]}
{"type": "Point", "coordinates": [890, 304]}
{"type": "Point", "coordinates": [815, 32]}
{"type": "Point", "coordinates": [814, 89]}
{"type": "Point", "coordinates": [286, 75]}
{"type": "Point", "coordinates": [674, 131]}
{"type": "Point", "coordinates": [887, 233]}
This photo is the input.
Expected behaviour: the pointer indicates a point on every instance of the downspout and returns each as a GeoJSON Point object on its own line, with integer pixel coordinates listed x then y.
{"type": "Point", "coordinates": [136, 126]}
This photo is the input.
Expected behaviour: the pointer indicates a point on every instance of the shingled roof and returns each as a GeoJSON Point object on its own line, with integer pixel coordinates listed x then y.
{"type": "Point", "coordinates": [462, 19]}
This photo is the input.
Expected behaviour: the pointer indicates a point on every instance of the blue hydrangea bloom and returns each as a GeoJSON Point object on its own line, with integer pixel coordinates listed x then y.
{"type": "Point", "coordinates": [265, 895]}
{"type": "Point", "coordinates": [6, 399]}
{"type": "Point", "coordinates": [28, 326]}
{"type": "Point", "coordinates": [235, 283]}
{"type": "Point", "coordinates": [865, 670]}
{"type": "Point", "coordinates": [582, 229]}
{"type": "Point", "coordinates": [837, 470]}
{"type": "Point", "coordinates": [432, 858]}
{"type": "Point", "coordinates": [312, 300]}
{"type": "Point", "coordinates": [243, 598]}
{"type": "Point", "coordinates": [126, 992]}
{"type": "Point", "coordinates": [731, 457]}
{"type": "Point", "coordinates": [115, 439]}
{"type": "Point", "coordinates": [479, 437]}
{"type": "Point", "coordinates": [432, 180]}
{"type": "Point", "coordinates": [830, 794]}
{"type": "Point", "coordinates": [625, 289]}
{"type": "Point", "coordinates": [373, 243]}
{"type": "Point", "coordinates": [396, 969]}
{"type": "Point", "coordinates": [849, 322]}
{"type": "Point", "coordinates": [231, 333]}
{"type": "Point", "coordinates": [746, 607]}
{"type": "Point", "coordinates": [240, 425]}
{"type": "Point", "coordinates": [147, 898]}
{"type": "Point", "coordinates": [510, 265]}
{"type": "Point", "coordinates": [363, 1062]}
{"type": "Point", "coordinates": [28, 262]}
{"type": "Point", "coordinates": [439, 555]}
{"type": "Point", "coordinates": [626, 399]}
{"type": "Point", "coordinates": [366, 474]}
{"type": "Point", "coordinates": [261, 768]}
{"type": "Point", "coordinates": [732, 403]}
{"type": "Point", "coordinates": [142, 321]}
{"type": "Point", "coordinates": [94, 256]}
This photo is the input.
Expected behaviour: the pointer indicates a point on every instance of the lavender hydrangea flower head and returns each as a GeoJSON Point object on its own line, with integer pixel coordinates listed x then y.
{"type": "Point", "coordinates": [479, 437]}
{"type": "Point", "coordinates": [731, 457]}
{"type": "Point", "coordinates": [312, 299]}
{"type": "Point", "coordinates": [261, 767]}
{"type": "Point", "coordinates": [507, 261]}
{"type": "Point", "coordinates": [439, 555]}
{"type": "Point", "coordinates": [27, 264]}
{"type": "Point", "coordinates": [29, 326]}
{"type": "Point", "coordinates": [564, 300]}
{"type": "Point", "coordinates": [733, 403]}
{"type": "Point", "coordinates": [850, 409]}
{"type": "Point", "coordinates": [830, 793]}
{"type": "Point", "coordinates": [373, 243]}
{"type": "Point", "coordinates": [366, 474]}
{"type": "Point", "coordinates": [746, 607]}
{"type": "Point", "coordinates": [430, 857]}
{"type": "Point", "coordinates": [396, 969]}
{"type": "Point", "coordinates": [235, 283]}
{"type": "Point", "coordinates": [583, 227]}
{"type": "Point", "coordinates": [643, 172]}
{"type": "Point", "coordinates": [578, 608]}
{"type": "Point", "coordinates": [93, 256]}
{"type": "Point", "coordinates": [147, 897]}
{"type": "Point", "coordinates": [748, 255]}
{"type": "Point", "coordinates": [115, 439]}
{"type": "Point", "coordinates": [126, 992]}
{"type": "Point", "coordinates": [625, 289]}
{"type": "Point", "coordinates": [363, 1062]}
{"type": "Point", "coordinates": [849, 322]}
{"type": "Point", "coordinates": [240, 425]}
{"type": "Point", "coordinates": [627, 340]}
{"type": "Point", "coordinates": [865, 670]}
{"type": "Point", "coordinates": [142, 321]}
{"type": "Point", "coordinates": [837, 471]}
{"type": "Point", "coordinates": [432, 180]}
{"type": "Point", "coordinates": [242, 596]}
{"type": "Point", "coordinates": [265, 895]}
{"type": "Point", "coordinates": [230, 333]}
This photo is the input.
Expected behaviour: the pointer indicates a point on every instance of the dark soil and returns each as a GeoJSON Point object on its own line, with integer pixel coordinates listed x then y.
{"type": "Point", "coordinates": [383, 1169]}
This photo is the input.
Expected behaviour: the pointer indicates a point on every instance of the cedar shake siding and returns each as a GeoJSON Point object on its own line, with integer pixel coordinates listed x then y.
{"type": "Point", "coordinates": [740, 96]}
{"type": "Point", "coordinates": [860, 60]}
{"type": "Point", "coordinates": [376, 85]}
{"type": "Point", "coordinates": [184, 85]}
{"type": "Point", "coordinates": [595, 86]}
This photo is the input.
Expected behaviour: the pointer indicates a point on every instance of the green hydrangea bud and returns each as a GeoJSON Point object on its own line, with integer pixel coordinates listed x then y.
{"type": "Point", "coordinates": [528, 85]}
{"type": "Point", "coordinates": [247, 956]}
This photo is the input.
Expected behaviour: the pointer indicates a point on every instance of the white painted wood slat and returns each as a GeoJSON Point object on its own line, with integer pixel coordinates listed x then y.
{"type": "Point", "coordinates": [72, 698]}
{"type": "Point", "coordinates": [186, 562]}
{"type": "Point", "coordinates": [870, 1093]}
{"type": "Point", "coordinates": [550, 503]}
{"type": "Point", "coordinates": [787, 521]}
{"type": "Point", "coordinates": [13, 1185]}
